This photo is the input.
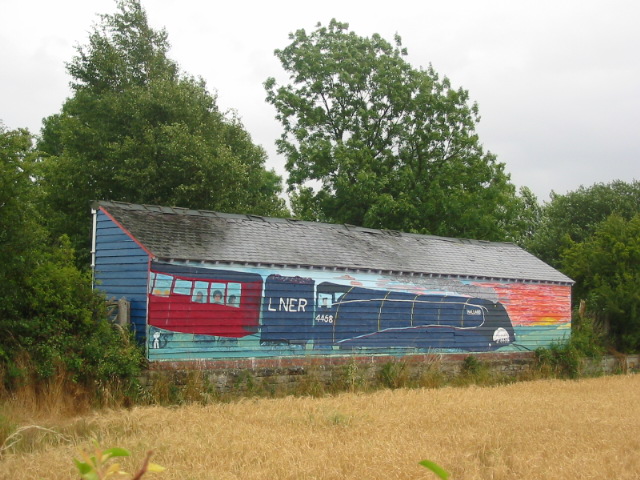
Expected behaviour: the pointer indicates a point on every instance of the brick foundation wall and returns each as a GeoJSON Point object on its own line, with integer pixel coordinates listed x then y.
{"type": "Point", "coordinates": [306, 375]}
{"type": "Point", "coordinates": [293, 373]}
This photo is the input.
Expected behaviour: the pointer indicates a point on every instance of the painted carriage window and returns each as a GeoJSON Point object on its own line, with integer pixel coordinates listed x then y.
{"type": "Point", "coordinates": [218, 292]}
{"type": "Point", "coordinates": [234, 293]}
{"type": "Point", "coordinates": [200, 292]}
{"type": "Point", "coordinates": [325, 300]}
{"type": "Point", "coordinates": [161, 284]}
{"type": "Point", "coordinates": [182, 287]}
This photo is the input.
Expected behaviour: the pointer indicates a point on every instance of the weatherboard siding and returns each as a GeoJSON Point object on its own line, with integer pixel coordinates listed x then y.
{"type": "Point", "coordinates": [121, 270]}
{"type": "Point", "coordinates": [378, 314]}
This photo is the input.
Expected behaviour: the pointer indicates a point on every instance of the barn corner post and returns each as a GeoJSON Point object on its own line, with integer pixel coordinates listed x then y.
{"type": "Point", "coordinates": [94, 230]}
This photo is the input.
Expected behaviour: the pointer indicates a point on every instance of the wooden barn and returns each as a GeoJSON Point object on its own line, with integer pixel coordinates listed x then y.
{"type": "Point", "coordinates": [208, 285]}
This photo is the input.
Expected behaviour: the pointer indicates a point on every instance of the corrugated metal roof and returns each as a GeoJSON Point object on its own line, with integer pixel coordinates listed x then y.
{"type": "Point", "coordinates": [179, 233]}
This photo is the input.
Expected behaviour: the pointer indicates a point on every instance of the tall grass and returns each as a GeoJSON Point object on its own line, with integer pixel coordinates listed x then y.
{"type": "Point", "coordinates": [37, 416]}
{"type": "Point", "coordinates": [529, 430]}
{"type": "Point", "coordinates": [31, 398]}
{"type": "Point", "coordinates": [36, 411]}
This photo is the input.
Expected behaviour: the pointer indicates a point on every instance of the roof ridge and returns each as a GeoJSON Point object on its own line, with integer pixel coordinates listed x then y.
{"type": "Point", "coordinates": [293, 221]}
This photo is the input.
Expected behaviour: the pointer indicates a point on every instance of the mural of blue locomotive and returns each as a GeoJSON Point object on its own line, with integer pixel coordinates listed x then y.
{"type": "Point", "coordinates": [227, 310]}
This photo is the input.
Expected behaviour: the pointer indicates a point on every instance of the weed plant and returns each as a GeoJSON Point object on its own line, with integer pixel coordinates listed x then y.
{"type": "Point", "coordinates": [564, 359]}
{"type": "Point", "coordinates": [394, 375]}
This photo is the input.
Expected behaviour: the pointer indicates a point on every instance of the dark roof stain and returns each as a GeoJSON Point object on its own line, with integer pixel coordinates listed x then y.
{"type": "Point", "coordinates": [172, 233]}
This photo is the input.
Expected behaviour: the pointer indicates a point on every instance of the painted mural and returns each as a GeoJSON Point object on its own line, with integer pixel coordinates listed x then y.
{"type": "Point", "coordinates": [196, 312]}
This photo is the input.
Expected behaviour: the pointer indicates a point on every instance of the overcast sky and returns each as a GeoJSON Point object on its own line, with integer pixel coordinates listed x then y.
{"type": "Point", "coordinates": [557, 82]}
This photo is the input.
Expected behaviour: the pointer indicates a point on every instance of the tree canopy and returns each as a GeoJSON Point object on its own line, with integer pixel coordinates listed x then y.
{"type": "Point", "coordinates": [138, 130]}
{"type": "Point", "coordinates": [575, 216]}
{"type": "Point", "coordinates": [591, 234]}
{"type": "Point", "coordinates": [370, 140]}
{"type": "Point", "coordinates": [20, 231]}
{"type": "Point", "coordinates": [49, 315]}
{"type": "Point", "coordinates": [606, 267]}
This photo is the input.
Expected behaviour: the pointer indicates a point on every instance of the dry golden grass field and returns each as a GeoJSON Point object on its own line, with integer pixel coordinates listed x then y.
{"type": "Point", "coordinates": [546, 429]}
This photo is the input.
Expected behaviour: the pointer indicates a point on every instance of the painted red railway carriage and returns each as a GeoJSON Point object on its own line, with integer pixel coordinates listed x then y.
{"type": "Point", "coordinates": [210, 285]}
{"type": "Point", "coordinates": [204, 301]}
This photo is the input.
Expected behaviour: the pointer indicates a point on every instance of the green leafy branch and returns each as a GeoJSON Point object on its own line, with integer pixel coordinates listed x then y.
{"type": "Point", "coordinates": [435, 468]}
{"type": "Point", "coordinates": [99, 467]}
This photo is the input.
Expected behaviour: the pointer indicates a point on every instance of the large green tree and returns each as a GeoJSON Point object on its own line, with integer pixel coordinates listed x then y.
{"type": "Point", "coordinates": [49, 315]}
{"type": "Point", "coordinates": [20, 231]}
{"type": "Point", "coordinates": [575, 216]}
{"type": "Point", "coordinates": [138, 130]}
{"type": "Point", "coordinates": [606, 267]}
{"type": "Point", "coordinates": [372, 141]}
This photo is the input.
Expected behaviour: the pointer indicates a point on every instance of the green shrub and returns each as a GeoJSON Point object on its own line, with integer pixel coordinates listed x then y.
{"type": "Point", "coordinates": [564, 359]}
{"type": "Point", "coordinates": [474, 371]}
{"type": "Point", "coordinates": [351, 377]}
{"type": "Point", "coordinates": [471, 365]}
{"type": "Point", "coordinates": [559, 360]}
{"type": "Point", "coordinates": [587, 337]}
{"type": "Point", "coordinates": [394, 375]}
{"type": "Point", "coordinates": [62, 325]}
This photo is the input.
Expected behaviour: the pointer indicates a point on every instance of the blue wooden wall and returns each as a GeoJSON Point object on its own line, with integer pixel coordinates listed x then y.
{"type": "Point", "coordinates": [121, 270]}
